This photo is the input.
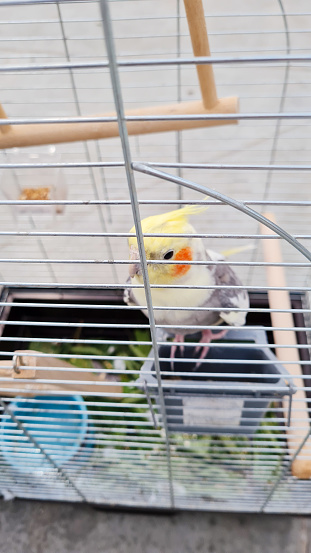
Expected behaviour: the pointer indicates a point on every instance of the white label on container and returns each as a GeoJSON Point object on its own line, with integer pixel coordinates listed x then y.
{"type": "Point", "coordinates": [212, 411]}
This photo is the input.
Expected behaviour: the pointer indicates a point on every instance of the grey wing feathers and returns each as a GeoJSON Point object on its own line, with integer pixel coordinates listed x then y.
{"type": "Point", "coordinates": [228, 297]}
{"type": "Point", "coordinates": [128, 296]}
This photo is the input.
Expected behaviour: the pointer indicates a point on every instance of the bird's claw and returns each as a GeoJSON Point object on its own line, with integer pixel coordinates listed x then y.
{"type": "Point", "coordinates": [207, 336]}
{"type": "Point", "coordinates": [178, 338]}
{"type": "Point", "coordinates": [203, 354]}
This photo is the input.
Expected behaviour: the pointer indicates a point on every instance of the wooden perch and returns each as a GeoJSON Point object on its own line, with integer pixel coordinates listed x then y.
{"type": "Point", "coordinates": [280, 299]}
{"type": "Point", "coordinates": [200, 47]}
{"type": "Point", "coordinates": [4, 128]}
{"type": "Point", "coordinates": [52, 133]}
{"type": "Point", "coordinates": [18, 136]}
{"type": "Point", "coordinates": [19, 375]}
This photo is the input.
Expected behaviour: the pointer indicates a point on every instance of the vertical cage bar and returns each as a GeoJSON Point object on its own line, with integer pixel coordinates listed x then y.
{"type": "Point", "coordinates": [116, 85]}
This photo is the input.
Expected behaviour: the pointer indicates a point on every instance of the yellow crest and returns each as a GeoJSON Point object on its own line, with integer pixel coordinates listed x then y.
{"type": "Point", "coordinates": [172, 222]}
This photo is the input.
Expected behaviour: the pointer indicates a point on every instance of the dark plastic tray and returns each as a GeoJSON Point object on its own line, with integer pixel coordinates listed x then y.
{"type": "Point", "coordinates": [215, 404]}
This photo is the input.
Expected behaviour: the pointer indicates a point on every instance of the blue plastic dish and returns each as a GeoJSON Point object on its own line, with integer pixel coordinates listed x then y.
{"type": "Point", "coordinates": [60, 434]}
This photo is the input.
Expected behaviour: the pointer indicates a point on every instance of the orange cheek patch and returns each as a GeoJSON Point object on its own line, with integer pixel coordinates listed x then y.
{"type": "Point", "coordinates": [183, 255]}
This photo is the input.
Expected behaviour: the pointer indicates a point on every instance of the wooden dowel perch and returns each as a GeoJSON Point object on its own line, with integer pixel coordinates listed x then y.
{"type": "Point", "coordinates": [200, 46]}
{"type": "Point", "coordinates": [50, 133]}
{"type": "Point", "coordinates": [18, 136]}
{"type": "Point", "coordinates": [4, 128]}
{"type": "Point", "coordinates": [280, 299]}
{"type": "Point", "coordinates": [19, 379]}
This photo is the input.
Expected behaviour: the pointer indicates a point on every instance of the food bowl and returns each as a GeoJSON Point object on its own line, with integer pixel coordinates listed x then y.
{"type": "Point", "coordinates": [45, 432]}
{"type": "Point", "coordinates": [233, 393]}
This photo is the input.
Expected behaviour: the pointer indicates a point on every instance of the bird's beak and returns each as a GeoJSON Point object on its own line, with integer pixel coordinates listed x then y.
{"type": "Point", "coordinates": [135, 269]}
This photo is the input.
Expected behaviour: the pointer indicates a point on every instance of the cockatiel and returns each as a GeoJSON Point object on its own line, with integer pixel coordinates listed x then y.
{"type": "Point", "coordinates": [185, 249]}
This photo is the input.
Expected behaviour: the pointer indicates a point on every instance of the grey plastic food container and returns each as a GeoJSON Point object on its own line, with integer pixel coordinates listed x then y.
{"type": "Point", "coordinates": [234, 404]}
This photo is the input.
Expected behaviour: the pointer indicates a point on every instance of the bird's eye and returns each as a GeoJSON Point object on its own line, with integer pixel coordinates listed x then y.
{"type": "Point", "coordinates": [169, 254]}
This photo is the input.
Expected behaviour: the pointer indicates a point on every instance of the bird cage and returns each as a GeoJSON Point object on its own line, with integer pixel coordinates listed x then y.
{"type": "Point", "coordinates": [112, 112]}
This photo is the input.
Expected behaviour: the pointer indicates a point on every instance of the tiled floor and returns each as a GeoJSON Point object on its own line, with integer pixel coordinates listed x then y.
{"type": "Point", "coordinates": [32, 35]}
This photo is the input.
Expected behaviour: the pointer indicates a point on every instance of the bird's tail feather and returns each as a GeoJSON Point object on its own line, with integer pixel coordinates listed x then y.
{"type": "Point", "coordinates": [234, 251]}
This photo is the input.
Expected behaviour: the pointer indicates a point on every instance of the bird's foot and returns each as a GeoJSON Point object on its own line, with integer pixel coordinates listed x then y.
{"type": "Point", "coordinates": [178, 338]}
{"type": "Point", "coordinates": [207, 336]}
